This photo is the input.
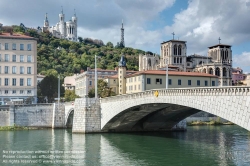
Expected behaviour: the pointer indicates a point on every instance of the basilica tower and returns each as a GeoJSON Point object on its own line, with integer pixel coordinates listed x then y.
{"type": "Point", "coordinates": [122, 75]}
{"type": "Point", "coordinates": [46, 21]}
{"type": "Point", "coordinates": [62, 26]}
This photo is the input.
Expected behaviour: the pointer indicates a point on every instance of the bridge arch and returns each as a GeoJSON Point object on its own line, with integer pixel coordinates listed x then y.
{"type": "Point", "coordinates": [69, 118]}
{"type": "Point", "coordinates": [136, 111]}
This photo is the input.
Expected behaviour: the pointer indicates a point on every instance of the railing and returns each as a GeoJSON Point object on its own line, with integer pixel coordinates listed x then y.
{"type": "Point", "coordinates": [196, 91]}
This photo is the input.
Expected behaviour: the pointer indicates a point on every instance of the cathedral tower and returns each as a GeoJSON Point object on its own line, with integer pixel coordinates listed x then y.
{"type": "Point", "coordinates": [122, 75]}
{"type": "Point", "coordinates": [46, 21]}
{"type": "Point", "coordinates": [62, 27]}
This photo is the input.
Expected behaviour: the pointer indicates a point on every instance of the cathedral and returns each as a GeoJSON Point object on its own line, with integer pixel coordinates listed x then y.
{"type": "Point", "coordinates": [63, 30]}
{"type": "Point", "coordinates": [174, 54]}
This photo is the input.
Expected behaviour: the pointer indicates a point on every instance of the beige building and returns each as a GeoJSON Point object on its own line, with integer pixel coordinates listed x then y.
{"type": "Point", "coordinates": [18, 67]}
{"type": "Point", "coordinates": [156, 79]}
{"type": "Point", "coordinates": [69, 82]}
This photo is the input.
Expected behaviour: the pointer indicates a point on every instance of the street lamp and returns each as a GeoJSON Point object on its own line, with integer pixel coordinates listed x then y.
{"type": "Point", "coordinates": [96, 76]}
{"type": "Point", "coordinates": [166, 73]}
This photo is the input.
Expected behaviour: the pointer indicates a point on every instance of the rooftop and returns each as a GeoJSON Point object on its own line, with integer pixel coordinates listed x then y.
{"type": "Point", "coordinates": [172, 73]}
{"type": "Point", "coordinates": [173, 41]}
{"type": "Point", "coordinates": [14, 36]}
{"type": "Point", "coordinates": [220, 45]}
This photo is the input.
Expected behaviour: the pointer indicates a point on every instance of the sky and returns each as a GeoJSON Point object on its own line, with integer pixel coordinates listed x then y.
{"type": "Point", "coordinates": [147, 23]}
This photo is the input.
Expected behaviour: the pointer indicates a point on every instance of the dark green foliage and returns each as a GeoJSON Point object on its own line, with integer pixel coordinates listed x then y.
{"type": "Point", "coordinates": [102, 90]}
{"type": "Point", "coordinates": [68, 57]}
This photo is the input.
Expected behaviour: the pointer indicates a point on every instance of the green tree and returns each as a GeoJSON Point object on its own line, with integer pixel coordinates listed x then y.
{"type": "Point", "coordinates": [70, 95]}
{"type": "Point", "coordinates": [102, 90]}
{"type": "Point", "coordinates": [49, 87]}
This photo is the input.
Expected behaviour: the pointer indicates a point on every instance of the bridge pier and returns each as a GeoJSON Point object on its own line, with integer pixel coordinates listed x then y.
{"type": "Point", "coordinates": [87, 116]}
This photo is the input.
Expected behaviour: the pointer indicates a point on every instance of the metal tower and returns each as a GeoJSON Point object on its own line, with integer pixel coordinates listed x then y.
{"type": "Point", "coordinates": [122, 44]}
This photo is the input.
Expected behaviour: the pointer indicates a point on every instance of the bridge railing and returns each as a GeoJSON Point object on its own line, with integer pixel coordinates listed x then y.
{"type": "Point", "coordinates": [192, 91]}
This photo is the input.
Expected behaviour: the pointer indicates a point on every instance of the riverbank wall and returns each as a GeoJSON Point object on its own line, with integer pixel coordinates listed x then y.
{"type": "Point", "coordinates": [34, 115]}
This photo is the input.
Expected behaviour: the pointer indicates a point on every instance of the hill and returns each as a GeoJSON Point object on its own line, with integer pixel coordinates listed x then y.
{"type": "Point", "coordinates": [68, 57]}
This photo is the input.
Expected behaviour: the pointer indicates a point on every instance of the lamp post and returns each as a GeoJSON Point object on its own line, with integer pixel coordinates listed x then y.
{"type": "Point", "coordinates": [58, 97]}
{"type": "Point", "coordinates": [166, 73]}
{"type": "Point", "coordinates": [95, 79]}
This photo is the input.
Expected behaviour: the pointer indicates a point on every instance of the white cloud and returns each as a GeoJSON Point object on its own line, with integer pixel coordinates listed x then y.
{"type": "Point", "coordinates": [242, 60]}
{"type": "Point", "coordinates": [203, 22]}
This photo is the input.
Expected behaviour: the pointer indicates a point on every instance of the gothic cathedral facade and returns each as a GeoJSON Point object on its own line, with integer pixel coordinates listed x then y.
{"type": "Point", "coordinates": [174, 53]}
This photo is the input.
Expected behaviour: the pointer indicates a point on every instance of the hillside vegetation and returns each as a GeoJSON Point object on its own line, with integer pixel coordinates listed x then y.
{"type": "Point", "coordinates": [68, 57]}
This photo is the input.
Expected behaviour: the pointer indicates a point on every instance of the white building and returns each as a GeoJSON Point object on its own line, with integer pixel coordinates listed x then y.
{"type": "Point", "coordinates": [64, 30]}
{"type": "Point", "coordinates": [69, 82]}
{"type": "Point", "coordinates": [18, 67]}
{"type": "Point", "coordinates": [174, 52]}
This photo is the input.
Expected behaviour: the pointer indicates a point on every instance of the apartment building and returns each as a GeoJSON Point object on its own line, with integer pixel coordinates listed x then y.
{"type": "Point", "coordinates": [18, 67]}
{"type": "Point", "coordinates": [86, 80]}
{"type": "Point", "coordinates": [156, 79]}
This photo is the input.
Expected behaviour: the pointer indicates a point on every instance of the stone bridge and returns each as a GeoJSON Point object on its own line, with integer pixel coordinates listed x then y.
{"type": "Point", "coordinates": [160, 109]}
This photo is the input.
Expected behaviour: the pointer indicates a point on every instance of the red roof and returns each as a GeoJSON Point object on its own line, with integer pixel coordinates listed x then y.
{"type": "Point", "coordinates": [172, 73]}
{"type": "Point", "coordinates": [16, 36]}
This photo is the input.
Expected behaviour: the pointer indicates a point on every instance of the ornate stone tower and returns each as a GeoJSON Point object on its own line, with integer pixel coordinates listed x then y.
{"type": "Point", "coordinates": [174, 51]}
{"type": "Point", "coordinates": [221, 55]}
{"type": "Point", "coordinates": [122, 43]}
{"type": "Point", "coordinates": [46, 21]}
{"type": "Point", "coordinates": [62, 25]}
{"type": "Point", "coordinates": [122, 75]}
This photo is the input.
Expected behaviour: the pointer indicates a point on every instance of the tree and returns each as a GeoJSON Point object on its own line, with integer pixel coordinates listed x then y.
{"type": "Point", "coordinates": [102, 90]}
{"type": "Point", "coordinates": [70, 95]}
{"type": "Point", "coordinates": [49, 87]}
{"type": "Point", "coordinates": [109, 44]}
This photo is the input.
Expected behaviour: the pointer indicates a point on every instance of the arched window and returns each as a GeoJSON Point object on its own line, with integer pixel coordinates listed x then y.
{"type": "Point", "coordinates": [181, 60]}
{"type": "Point", "coordinates": [211, 71]}
{"type": "Point", "coordinates": [226, 55]}
{"type": "Point", "coordinates": [222, 55]}
{"type": "Point", "coordinates": [175, 49]}
{"type": "Point", "coordinates": [224, 72]}
{"type": "Point", "coordinates": [149, 62]}
{"type": "Point", "coordinates": [177, 60]}
{"type": "Point", "coordinates": [174, 59]}
{"type": "Point", "coordinates": [217, 71]}
{"type": "Point", "coordinates": [179, 50]}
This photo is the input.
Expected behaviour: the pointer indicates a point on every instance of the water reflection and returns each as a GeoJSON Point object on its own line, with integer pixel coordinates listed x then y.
{"type": "Point", "coordinates": [214, 145]}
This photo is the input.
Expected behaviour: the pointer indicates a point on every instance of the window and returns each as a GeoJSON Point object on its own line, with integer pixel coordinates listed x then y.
{"type": "Point", "coordinates": [28, 81]}
{"type": "Point", "coordinates": [206, 84]}
{"type": "Point", "coordinates": [135, 79]}
{"type": "Point", "coordinates": [13, 58]}
{"type": "Point", "coordinates": [21, 70]}
{"type": "Point", "coordinates": [0, 57]}
{"type": "Point", "coordinates": [28, 70]}
{"type": "Point", "coordinates": [13, 69]}
{"type": "Point", "coordinates": [29, 47]}
{"type": "Point", "coordinates": [21, 58]}
{"type": "Point", "coordinates": [198, 82]}
{"type": "Point", "coordinates": [6, 92]}
{"type": "Point", "coordinates": [0, 46]}
{"type": "Point", "coordinates": [29, 58]}
{"type": "Point", "coordinates": [169, 82]}
{"type": "Point", "coordinates": [0, 81]}
{"type": "Point", "coordinates": [90, 82]}
{"type": "Point", "coordinates": [158, 81]}
{"type": "Point", "coordinates": [0, 69]}
{"type": "Point", "coordinates": [6, 58]}
{"type": "Point", "coordinates": [213, 83]}
{"type": "Point", "coordinates": [21, 47]}
{"type": "Point", "coordinates": [135, 87]}
{"type": "Point", "coordinates": [21, 82]}
{"type": "Point", "coordinates": [28, 91]}
{"type": "Point", "coordinates": [189, 82]}
{"type": "Point", "coordinates": [21, 91]}
{"type": "Point", "coordinates": [179, 82]}
{"type": "Point", "coordinates": [14, 92]}
{"type": "Point", "coordinates": [6, 69]}
{"type": "Point", "coordinates": [6, 46]}
{"type": "Point", "coordinates": [14, 46]}
{"type": "Point", "coordinates": [148, 81]}
{"type": "Point", "coordinates": [6, 81]}
{"type": "Point", "coordinates": [13, 82]}
{"type": "Point", "coordinates": [139, 87]}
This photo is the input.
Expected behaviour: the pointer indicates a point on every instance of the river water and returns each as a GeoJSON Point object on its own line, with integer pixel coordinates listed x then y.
{"type": "Point", "coordinates": [199, 145]}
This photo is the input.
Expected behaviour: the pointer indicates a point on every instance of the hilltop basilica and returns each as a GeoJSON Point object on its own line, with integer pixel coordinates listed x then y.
{"type": "Point", "coordinates": [174, 53]}
{"type": "Point", "coordinates": [64, 30]}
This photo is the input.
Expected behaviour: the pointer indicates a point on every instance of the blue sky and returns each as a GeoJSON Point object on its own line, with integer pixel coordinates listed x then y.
{"type": "Point", "coordinates": [147, 22]}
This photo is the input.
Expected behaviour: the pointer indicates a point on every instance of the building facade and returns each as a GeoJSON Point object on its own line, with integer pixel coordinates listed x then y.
{"type": "Point", "coordinates": [64, 30]}
{"type": "Point", "coordinates": [174, 53]}
{"type": "Point", "coordinates": [18, 67]}
{"type": "Point", "coordinates": [238, 76]}
{"type": "Point", "coordinates": [69, 82]}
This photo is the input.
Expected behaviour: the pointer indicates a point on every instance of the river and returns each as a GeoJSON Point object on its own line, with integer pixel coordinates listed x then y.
{"type": "Point", "coordinates": [199, 145]}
